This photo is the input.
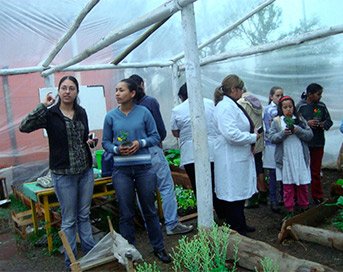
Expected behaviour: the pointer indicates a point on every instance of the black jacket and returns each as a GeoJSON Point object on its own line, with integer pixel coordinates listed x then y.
{"type": "Point", "coordinates": [53, 121]}
{"type": "Point", "coordinates": [306, 110]}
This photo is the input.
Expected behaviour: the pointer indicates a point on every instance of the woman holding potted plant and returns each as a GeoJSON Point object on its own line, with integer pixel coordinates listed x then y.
{"type": "Point", "coordinates": [290, 134]}
{"type": "Point", "coordinates": [129, 131]}
{"type": "Point", "coordinates": [234, 166]}
{"type": "Point", "coordinates": [318, 118]}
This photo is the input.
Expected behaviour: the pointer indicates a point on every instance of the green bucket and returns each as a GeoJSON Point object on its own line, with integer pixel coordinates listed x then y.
{"type": "Point", "coordinates": [98, 156]}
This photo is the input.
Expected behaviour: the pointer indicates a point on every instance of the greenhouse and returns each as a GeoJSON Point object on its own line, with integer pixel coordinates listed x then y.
{"type": "Point", "coordinates": [266, 42]}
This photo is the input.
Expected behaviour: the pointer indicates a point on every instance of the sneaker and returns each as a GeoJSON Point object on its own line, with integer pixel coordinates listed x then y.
{"type": "Point", "coordinates": [180, 229]}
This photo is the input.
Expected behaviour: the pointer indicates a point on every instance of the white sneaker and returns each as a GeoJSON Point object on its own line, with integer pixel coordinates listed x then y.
{"type": "Point", "coordinates": [180, 229]}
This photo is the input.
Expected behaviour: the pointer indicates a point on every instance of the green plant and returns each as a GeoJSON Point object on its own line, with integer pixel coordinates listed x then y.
{"type": "Point", "coordinates": [173, 156]}
{"type": "Point", "coordinates": [317, 114]}
{"type": "Point", "coordinates": [268, 265]}
{"type": "Point", "coordinates": [146, 267]}
{"type": "Point", "coordinates": [206, 251]}
{"type": "Point", "coordinates": [185, 198]}
{"type": "Point", "coordinates": [123, 138]}
{"type": "Point", "coordinates": [339, 182]}
{"type": "Point", "coordinates": [289, 122]}
{"type": "Point", "coordinates": [337, 221]}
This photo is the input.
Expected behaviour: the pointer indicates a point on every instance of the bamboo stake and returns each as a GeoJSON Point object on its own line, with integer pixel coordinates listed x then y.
{"type": "Point", "coordinates": [228, 29]}
{"type": "Point", "coordinates": [306, 37]}
{"type": "Point", "coordinates": [165, 10]}
{"type": "Point", "coordinates": [75, 266]}
{"type": "Point", "coordinates": [139, 41]}
{"type": "Point", "coordinates": [70, 32]}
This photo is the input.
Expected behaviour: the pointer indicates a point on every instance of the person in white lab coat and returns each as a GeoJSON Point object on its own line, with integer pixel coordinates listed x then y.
{"type": "Point", "coordinates": [181, 128]}
{"type": "Point", "coordinates": [235, 175]}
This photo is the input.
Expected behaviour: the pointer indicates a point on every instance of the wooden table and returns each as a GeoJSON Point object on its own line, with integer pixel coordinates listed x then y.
{"type": "Point", "coordinates": [46, 199]}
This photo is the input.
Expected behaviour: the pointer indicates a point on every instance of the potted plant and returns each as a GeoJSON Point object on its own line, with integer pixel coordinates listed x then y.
{"type": "Point", "coordinates": [123, 138]}
{"type": "Point", "coordinates": [317, 114]}
{"type": "Point", "coordinates": [289, 123]}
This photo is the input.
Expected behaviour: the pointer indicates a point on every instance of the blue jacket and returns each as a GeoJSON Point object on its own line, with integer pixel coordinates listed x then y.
{"type": "Point", "coordinates": [152, 105]}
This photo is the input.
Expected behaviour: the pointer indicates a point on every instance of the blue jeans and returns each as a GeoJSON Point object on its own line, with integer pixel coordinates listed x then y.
{"type": "Point", "coordinates": [127, 180]}
{"type": "Point", "coordinates": [74, 193]}
{"type": "Point", "coordinates": [275, 188]}
{"type": "Point", "coordinates": [165, 185]}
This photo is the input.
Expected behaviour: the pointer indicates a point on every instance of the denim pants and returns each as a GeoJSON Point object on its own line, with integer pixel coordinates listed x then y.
{"type": "Point", "coordinates": [275, 187]}
{"type": "Point", "coordinates": [127, 180]}
{"type": "Point", "coordinates": [165, 185]}
{"type": "Point", "coordinates": [74, 193]}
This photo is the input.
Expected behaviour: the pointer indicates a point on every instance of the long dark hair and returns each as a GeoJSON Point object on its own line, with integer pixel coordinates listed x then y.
{"type": "Point", "coordinates": [132, 86]}
{"type": "Point", "coordinates": [272, 92]}
{"type": "Point", "coordinates": [74, 80]}
{"type": "Point", "coordinates": [295, 112]}
{"type": "Point", "coordinates": [311, 89]}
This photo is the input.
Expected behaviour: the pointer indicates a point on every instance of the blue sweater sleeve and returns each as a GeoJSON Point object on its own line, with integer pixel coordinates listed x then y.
{"type": "Point", "coordinates": [107, 134]}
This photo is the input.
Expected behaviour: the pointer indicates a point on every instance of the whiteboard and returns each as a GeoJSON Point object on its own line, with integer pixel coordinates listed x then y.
{"type": "Point", "coordinates": [92, 99]}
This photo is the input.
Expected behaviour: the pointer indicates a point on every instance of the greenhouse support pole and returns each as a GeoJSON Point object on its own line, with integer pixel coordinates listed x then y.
{"type": "Point", "coordinates": [175, 81]}
{"type": "Point", "coordinates": [198, 120]}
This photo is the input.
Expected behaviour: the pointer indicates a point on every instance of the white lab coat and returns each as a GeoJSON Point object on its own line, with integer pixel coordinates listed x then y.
{"type": "Point", "coordinates": [181, 120]}
{"type": "Point", "coordinates": [235, 174]}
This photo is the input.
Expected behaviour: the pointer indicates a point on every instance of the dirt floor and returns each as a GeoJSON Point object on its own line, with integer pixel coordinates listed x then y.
{"type": "Point", "coordinates": [19, 255]}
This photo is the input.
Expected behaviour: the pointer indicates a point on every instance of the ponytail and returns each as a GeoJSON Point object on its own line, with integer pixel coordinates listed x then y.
{"type": "Point", "coordinates": [303, 95]}
{"type": "Point", "coordinates": [218, 95]}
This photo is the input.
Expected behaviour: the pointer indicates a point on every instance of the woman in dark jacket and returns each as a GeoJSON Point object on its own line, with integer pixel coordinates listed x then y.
{"type": "Point", "coordinates": [70, 161]}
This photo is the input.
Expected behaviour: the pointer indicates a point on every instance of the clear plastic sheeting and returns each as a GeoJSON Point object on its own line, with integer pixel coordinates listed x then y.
{"type": "Point", "coordinates": [30, 30]}
{"type": "Point", "coordinates": [111, 245]}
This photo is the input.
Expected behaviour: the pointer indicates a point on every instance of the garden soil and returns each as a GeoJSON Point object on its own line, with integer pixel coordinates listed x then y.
{"type": "Point", "coordinates": [17, 254]}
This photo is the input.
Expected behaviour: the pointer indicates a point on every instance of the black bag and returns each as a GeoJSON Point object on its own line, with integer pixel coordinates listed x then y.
{"type": "Point", "coordinates": [107, 164]}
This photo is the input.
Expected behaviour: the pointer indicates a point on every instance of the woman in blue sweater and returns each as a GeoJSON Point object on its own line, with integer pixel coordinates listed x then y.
{"type": "Point", "coordinates": [129, 131]}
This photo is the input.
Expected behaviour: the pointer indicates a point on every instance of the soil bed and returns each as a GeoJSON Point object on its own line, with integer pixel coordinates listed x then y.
{"type": "Point", "coordinates": [19, 255]}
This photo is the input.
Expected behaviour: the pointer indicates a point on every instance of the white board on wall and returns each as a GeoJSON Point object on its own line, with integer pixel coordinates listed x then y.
{"type": "Point", "coordinates": [92, 99]}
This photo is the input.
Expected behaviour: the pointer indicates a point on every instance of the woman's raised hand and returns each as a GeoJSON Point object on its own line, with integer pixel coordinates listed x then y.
{"type": "Point", "coordinates": [49, 99]}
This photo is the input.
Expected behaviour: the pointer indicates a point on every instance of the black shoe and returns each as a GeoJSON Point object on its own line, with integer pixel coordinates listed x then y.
{"type": "Point", "coordinates": [250, 229]}
{"type": "Point", "coordinates": [163, 256]}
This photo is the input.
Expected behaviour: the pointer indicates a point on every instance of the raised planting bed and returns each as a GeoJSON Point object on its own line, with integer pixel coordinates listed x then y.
{"type": "Point", "coordinates": [306, 226]}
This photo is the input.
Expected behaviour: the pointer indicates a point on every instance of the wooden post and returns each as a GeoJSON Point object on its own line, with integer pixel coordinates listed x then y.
{"type": "Point", "coordinates": [47, 222]}
{"type": "Point", "coordinates": [198, 120]}
{"type": "Point", "coordinates": [75, 266]}
{"type": "Point", "coordinates": [251, 252]}
{"type": "Point", "coordinates": [323, 237]}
